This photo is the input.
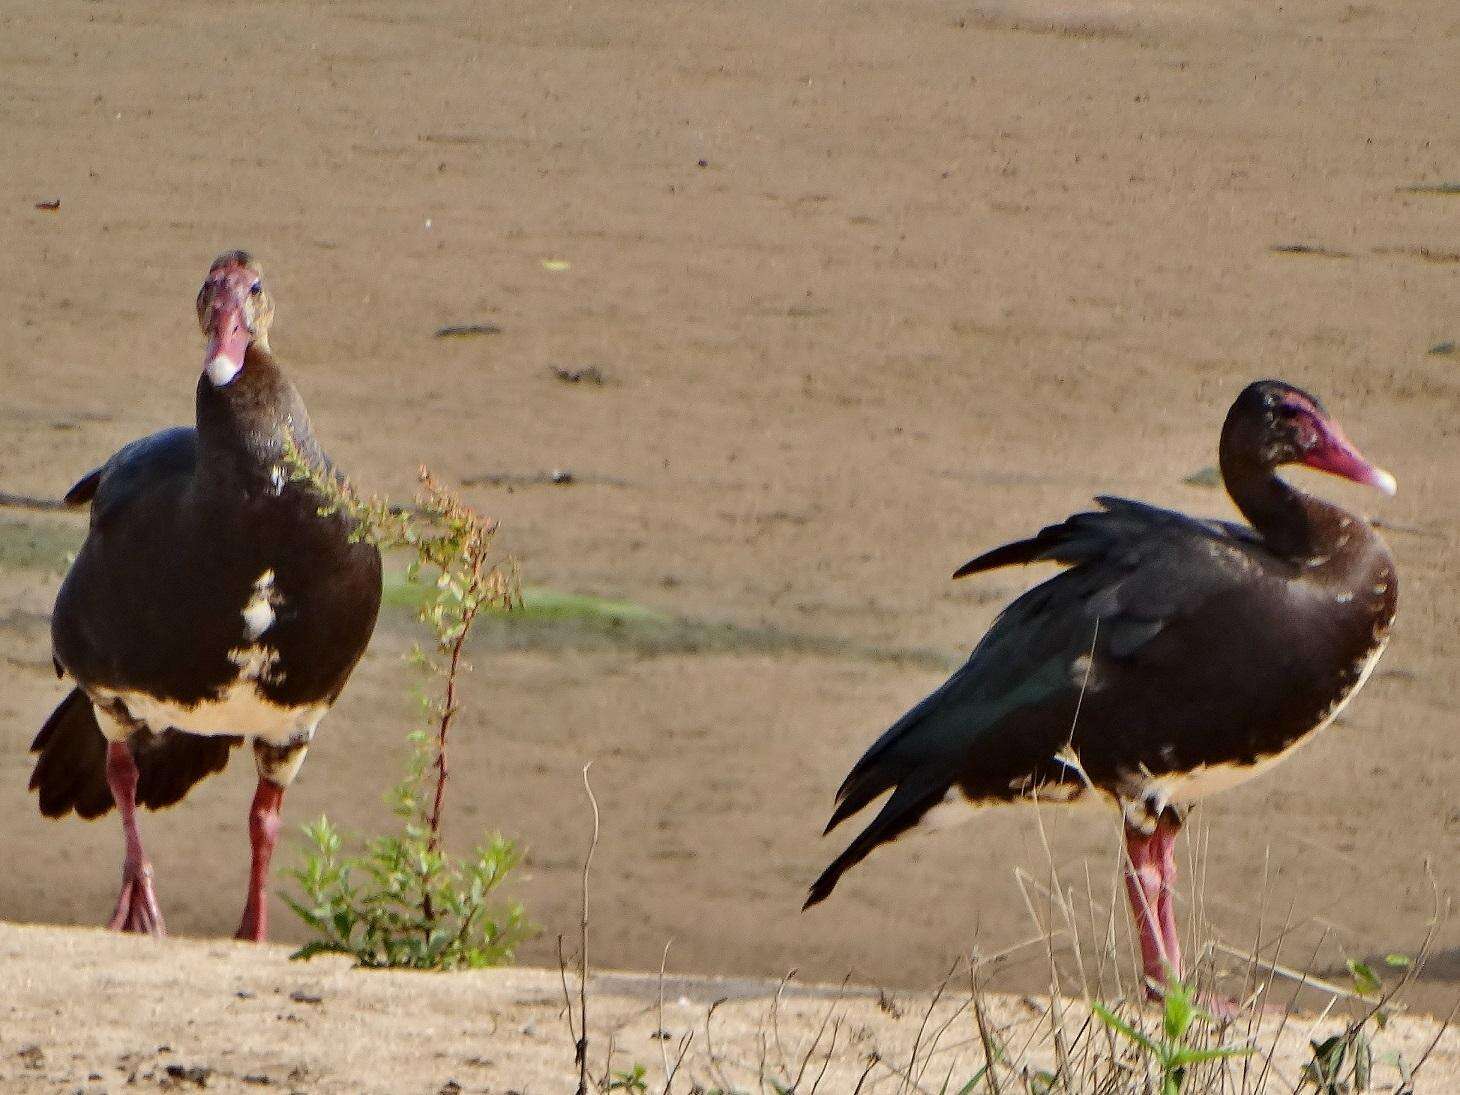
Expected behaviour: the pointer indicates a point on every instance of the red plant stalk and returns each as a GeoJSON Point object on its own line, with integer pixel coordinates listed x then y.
{"type": "Point", "coordinates": [447, 712]}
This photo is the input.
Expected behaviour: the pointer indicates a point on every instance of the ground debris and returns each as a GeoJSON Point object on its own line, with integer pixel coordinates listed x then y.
{"type": "Point", "coordinates": [1431, 188]}
{"type": "Point", "coordinates": [1399, 526]}
{"type": "Point", "coordinates": [888, 1005]}
{"type": "Point", "coordinates": [587, 374]}
{"type": "Point", "coordinates": [1428, 254]}
{"type": "Point", "coordinates": [558, 477]}
{"type": "Point", "coordinates": [190, 1074]}
{"type": "Point", "coordinates": [32, 1055]}
{"type": "Point", "coordinates": [1209, 476]}
{"type": "Point", "coordinates": [1316, 250]}
{"type": "Point", "coordinates": [467, 330]}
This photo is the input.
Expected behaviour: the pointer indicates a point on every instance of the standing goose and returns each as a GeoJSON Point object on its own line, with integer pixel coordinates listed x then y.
{"type": "Point", "coordinates": [1174, 658]}
{"type": "Point", "coordinates": [210, 603]}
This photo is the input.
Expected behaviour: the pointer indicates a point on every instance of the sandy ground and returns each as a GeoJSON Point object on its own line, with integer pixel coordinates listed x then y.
{"type": "Point", "coordinates": [873, 287]}
{"type": "Point", "coordinates": [90, 1012]}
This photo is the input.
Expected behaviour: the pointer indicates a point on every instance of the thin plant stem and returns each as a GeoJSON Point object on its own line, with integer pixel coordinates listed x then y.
{"type": "Point", "coordinates": [581, 1048]}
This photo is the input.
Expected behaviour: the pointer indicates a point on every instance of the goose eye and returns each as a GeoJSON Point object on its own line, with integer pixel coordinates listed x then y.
{"type": "Point", "coordinates": [255, 289]}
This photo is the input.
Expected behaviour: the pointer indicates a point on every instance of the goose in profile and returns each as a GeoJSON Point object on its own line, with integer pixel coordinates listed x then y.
{"type": "Point", "coordinates": [1172, 658]}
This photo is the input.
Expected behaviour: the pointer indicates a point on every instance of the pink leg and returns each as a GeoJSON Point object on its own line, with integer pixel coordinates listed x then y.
{"type": "Point", "coordinates": [1165, 837]}
{"type": "Point", "coordinates": [137, 909]}
{"type": "Point", "coordinates": [1150, 876]}
{"type": "Point", "coordinates": [263, 833]}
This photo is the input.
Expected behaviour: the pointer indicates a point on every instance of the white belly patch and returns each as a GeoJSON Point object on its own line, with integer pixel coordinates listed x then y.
{"type": "Point", "coordinates": [1181, 788]}
{"type": "Point", "coordinates": [238, 709]}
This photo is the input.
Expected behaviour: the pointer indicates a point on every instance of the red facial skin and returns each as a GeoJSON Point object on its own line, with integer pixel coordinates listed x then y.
{"type": "Point", "coordinates": [224, 315]}
{"type": "Point", "coordinates": [1326, 448]}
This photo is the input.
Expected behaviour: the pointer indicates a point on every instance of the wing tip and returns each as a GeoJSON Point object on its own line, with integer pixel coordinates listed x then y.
{"type": "Point", "coordinates": [821, 889]}
{"type": "Point", "coordinates": [84, 489]}
{"type": "Point", "coordinates": [1020, 552]}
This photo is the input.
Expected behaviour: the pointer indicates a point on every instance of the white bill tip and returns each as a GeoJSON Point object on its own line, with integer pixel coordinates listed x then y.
{"type": "Point", "coordinates": [221, 370]}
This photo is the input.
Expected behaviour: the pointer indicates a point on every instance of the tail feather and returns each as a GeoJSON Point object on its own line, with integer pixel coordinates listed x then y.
{"type": "Point", "coordinates": [897, 754]}
{"type": "Point", "coordinates": [70, 772]}
{"type": "Point", "coordinates": [860, 789]}
{"type": "Point", "coordinates": [168, 764]}
{"type": "Point", "coordinates": [898, 814]}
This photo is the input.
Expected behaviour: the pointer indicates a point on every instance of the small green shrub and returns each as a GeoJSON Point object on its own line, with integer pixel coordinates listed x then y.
{"type": "Point", "coordinates": [403, 901]}
{"type": "Point", "coordinates": [631, 1079]}
{"type": "Point", "coordinates": [1172, 1053]}
{"type": "Point", "coordinates": [372, 906]}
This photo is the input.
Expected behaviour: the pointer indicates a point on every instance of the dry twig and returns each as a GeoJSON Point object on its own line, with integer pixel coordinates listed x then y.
{"type": "Point", "coordinates": [580, 1047]}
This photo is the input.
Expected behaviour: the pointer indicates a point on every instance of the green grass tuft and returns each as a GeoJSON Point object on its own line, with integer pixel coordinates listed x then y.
{"type": "Point", "coordinates": [551, 619]}
{"type": "Point", "coordinates": [538, 604]}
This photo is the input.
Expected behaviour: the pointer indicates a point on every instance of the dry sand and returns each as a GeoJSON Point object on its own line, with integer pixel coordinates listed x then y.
{"type": "Point", "coordinates": [873, 287]}
{"type": "Point", "coordinates": [91, 1012]}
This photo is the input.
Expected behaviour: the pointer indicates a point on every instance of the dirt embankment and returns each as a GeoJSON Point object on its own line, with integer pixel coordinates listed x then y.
{"type": "Point", "coordinates": [87, 1011]}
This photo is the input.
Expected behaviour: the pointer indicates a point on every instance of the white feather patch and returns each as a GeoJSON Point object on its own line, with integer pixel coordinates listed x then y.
{"type": "Point", "coordinates": [281, 770]}
{"type": "Point", "coordinates": [258, 613]}
{"type": "Point", "coordinates": [238, 709]}
{"type": "Point", "coordinates": [257, 663]}
{"type": "Point", "coordinates": [221, 370]}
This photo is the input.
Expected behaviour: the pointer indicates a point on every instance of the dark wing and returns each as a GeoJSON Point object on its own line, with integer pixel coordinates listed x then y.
{"type": "Point", "coordinates": [1091, 536]}
{"type": "Point", "coordinates": [134, 468]}
{"type": "Point", "coordinates": [135, 493]}
{"type": "Point", "coordinates": [1005, 715]}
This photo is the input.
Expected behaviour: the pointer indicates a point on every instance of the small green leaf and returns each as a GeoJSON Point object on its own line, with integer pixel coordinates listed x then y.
{"type": "Point", "coordinates": [1194, 1056]}
{"type": "Point", "coordinates": [1366, 982]}
{"type": "Point", "coordinates": [1178, 1011]}
{"type": "Point", "coordinates": [1115, 1023]}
